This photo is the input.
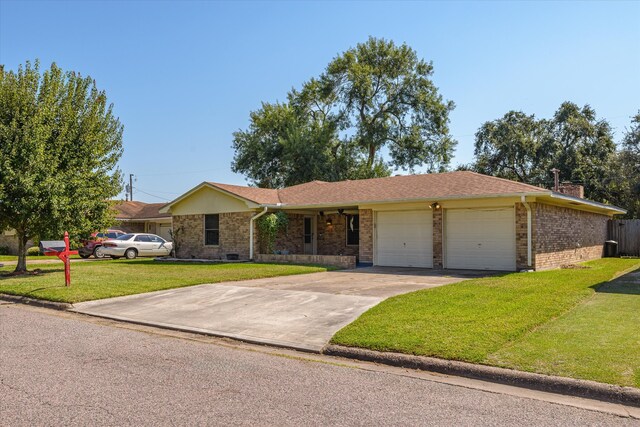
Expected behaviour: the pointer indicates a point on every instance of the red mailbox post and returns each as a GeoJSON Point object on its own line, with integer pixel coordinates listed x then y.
{"type": "Point", "coordinates": [62, 252]}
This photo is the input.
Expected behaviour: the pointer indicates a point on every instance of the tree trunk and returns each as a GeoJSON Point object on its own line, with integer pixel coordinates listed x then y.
{"type": "Point", "coordinates": [22, 253]}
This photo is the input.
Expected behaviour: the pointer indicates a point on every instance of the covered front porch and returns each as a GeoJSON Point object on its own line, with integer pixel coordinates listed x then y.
{"type": "Point", "coordinates": [316, 236]}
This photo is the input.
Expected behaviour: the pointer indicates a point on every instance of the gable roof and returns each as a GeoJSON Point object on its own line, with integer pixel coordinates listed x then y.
{"type": "Point", "coordinates": [400, 188]}
{"type": "Point", "coordinates": [404, 187]}
{"type": "Point", "coordinates": [261, 196]}
{"type": "Point", "coordinates": [139, 210]}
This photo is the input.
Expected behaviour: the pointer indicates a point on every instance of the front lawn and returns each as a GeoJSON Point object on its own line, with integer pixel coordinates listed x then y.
{"type": "Point", "coordinates": [105, 279]}
{"type": "Point", "coordinates": [32, 258]}
{"type": "Point", "coordinates": [551, 322]}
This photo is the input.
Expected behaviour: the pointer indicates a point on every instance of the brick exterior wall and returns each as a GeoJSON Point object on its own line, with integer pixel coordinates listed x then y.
{"type": "Point", "coordinates": [234, 236]}
{"type": "Point", "coordinates": [332, 240]}
{"type": "Point", "coordinates": [290, 239]}
{"type": "Point", "coordinates": [437, 239]}
{"type": "Point", "coordinates": [340, 261]}
{"type": "Point", "coordinates": [521, 236]}
{"type": "Point", "coordinates": [565, 236]}
{"type": "Point", "coordinates": [365, 249]}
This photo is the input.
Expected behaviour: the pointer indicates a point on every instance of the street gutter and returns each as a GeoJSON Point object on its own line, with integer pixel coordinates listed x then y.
{"type": "Point", "coordinates": [548, 383]}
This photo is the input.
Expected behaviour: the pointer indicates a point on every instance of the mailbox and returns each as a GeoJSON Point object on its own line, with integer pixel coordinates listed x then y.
{"type": "Point", "coordinates": [52, 246]}
{"type": "Point", "coordinates": [60, 248]}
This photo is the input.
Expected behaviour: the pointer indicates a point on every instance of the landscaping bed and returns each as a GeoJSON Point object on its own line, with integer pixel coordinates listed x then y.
{"type": "Point", "coordinates": [567, 322]}
{"type": "Point", "coordinates": [112, 278]}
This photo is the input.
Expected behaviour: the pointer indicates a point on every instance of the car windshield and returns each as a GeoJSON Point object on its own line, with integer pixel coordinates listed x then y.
{"type": "Point", "coordinates": [125, 237]}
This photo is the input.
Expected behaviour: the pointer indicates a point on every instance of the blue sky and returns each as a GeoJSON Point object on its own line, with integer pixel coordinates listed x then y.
{"type": "Point", "coordinates": [183, 76]}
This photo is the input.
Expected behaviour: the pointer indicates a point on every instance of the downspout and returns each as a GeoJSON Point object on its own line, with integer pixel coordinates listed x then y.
{"type": "Point", "coordinates": [528, 208]}
{"type": "Point", "coordinates": [251, 226]}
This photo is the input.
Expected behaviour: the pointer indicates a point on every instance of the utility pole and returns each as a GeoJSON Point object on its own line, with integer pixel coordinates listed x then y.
{"type": "Point", "coordinates": [131, 187]}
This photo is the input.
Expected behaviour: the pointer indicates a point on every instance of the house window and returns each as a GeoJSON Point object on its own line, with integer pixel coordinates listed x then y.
{"type": "Point", "coordinates": [353, 230]}
{"type": "Point", "coordinates": [212, 230]}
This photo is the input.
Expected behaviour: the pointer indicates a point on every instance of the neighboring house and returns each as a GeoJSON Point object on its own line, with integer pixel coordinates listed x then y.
{"type": "Point", "coordinates": [9, 240]}
{"type": "Point", "coordinates": [455, 220]}
{"type": "Point", "coordinates": [140, 217]}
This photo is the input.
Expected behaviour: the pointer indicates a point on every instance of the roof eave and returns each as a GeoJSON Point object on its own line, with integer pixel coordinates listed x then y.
{"type": "Point", "coordinates": [615, 210]}
{"type": "Point", "coordinates": [167, 208]}
{"type": "Point", "coordinates": [411, 200]}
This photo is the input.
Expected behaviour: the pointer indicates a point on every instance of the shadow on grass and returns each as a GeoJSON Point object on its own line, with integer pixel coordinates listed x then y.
{"type": "Point", "coordinates": [627, 284]}
{"type": "Point", "coordinates": [29, 274]}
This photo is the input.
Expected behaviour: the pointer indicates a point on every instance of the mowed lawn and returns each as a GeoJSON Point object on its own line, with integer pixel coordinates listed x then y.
{"type": "Point", "coordinates": [562, 322]}
{"type": "Point", "coordinates": [111, 278]}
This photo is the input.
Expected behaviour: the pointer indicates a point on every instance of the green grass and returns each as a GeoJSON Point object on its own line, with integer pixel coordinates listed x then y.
{"type": "Point", "coordinates": [598, 340]}
{"type": "Point", "coordinates": [105, 279]}
{"type": "Point", "coordinates": [515, 320]}
{"type": "Point", "coordinates": [31, 257]}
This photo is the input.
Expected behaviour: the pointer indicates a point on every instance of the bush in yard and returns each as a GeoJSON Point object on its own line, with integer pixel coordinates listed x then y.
{"type": "Point", "coordinates": [269, 226]}
{"type": "Point", "coordinates": [33, 251]}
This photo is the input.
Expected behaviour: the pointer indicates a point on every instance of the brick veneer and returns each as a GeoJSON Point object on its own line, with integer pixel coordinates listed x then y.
{"type": "Point", "coordinates": [234, 236]}
{"type": "Point", "coordinates": [340, 261]}
{"type": "Point", "coordinates": [564, 236]}
{"type": "Point", "coordinates": [521, 236]}
{"type": "Point", "coordinates": [290, 239]}
{"type": "Point", "coordinates": [332, 239]}
{"type": "Point", "coordinates": [437, 239]}
{"type": "Point", "coordinates": [366, 236]}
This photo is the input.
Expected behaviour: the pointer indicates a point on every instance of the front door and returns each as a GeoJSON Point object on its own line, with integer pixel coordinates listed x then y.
{"type": "Point", "coordinates": [309, 235]}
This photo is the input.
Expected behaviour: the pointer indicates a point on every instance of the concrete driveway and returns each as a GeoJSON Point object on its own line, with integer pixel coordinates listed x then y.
{"type": "Point", "coordinates": [301, 311]}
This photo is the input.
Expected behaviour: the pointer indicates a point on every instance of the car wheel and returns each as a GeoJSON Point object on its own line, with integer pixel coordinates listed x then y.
{"type": "Point", "coordinates": [84, 256]}
{"type": "Point", "coordinates": [115, 257]}
{"type": "Point", "coordinates": [98, 252]}
{"type": "Point", "coordinates": [131, 253]}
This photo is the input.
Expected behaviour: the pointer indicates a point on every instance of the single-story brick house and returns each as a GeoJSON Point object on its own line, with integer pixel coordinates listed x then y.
{"type": "Point", "coordinates": [140, 217]}
{"type": "Point", "coordinates": [455, 220]}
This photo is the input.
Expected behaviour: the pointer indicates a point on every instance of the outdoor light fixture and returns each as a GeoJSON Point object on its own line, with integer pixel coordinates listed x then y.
{"type": "Point", "coordinates": [321, 213]}
{"type": "Point", "coordinates": [341, 211]}
{"type": "Point", "coordinates": [435, 205]}
{"type": "Point", "coordinates": [329, 222]}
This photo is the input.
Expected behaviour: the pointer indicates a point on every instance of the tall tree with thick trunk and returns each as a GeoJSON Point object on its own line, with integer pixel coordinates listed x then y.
{"type": "Point", "coordinates": [373, 97]}
{"type": "Point", "coordinates": [59, 148]}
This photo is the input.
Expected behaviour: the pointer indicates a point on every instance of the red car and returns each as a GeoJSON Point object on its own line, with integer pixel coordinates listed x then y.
{"type": "Point", "coordinates": [93, 246]}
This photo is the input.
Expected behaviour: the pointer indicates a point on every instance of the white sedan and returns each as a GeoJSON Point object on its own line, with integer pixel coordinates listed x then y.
{"type": "Point", "coordinates": [136, 244]}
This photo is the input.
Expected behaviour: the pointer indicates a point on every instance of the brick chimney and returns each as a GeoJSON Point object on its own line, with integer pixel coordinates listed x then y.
{"type": "Point", "coordinates": [569, 189]}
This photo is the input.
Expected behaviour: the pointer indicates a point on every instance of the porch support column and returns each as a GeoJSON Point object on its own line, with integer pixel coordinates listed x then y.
{"type": "Point", "coordinates": [251, 227]}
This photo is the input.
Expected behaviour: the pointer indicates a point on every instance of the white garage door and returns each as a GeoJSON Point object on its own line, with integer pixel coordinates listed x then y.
{"type": "Point", "coordinates": [404, 239]}
{"type": "Point", "coordinates": [482, 239]}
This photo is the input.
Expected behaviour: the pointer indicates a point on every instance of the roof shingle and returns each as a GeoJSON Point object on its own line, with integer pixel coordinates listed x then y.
{"type": "Point", "coordinates": [393, 188]}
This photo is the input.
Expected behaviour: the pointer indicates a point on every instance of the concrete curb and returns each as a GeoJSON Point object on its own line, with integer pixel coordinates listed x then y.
{"type": "Point", "coordinates": [36, 302]}
{"type": "Point", "coordinates": [553, 384]}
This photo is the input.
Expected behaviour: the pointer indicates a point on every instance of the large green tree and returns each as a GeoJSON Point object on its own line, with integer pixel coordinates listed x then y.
{"type": "Point", "coordinates": [515, 147]}
{"type": "Point", "coordinates": [523, 148]}
{"type": "Point", "coordinates": [623, 183]}
{"type": "Point", "coordinates": [59, 148]}
{"type": "Point", "coordinates": [374, 97]}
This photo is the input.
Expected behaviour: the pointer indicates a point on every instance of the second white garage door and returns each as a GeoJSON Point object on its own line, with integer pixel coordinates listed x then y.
{"type": "Point", "coordinates": [404, 239]}
{"type": "Point", "coordinates": [482, 239]}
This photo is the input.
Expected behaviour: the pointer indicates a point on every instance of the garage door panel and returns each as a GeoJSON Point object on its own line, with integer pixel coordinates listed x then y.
{"type": "Point", "coordinates": [404, 239]}
{"type": "Point", "coordinates": [480, 239]}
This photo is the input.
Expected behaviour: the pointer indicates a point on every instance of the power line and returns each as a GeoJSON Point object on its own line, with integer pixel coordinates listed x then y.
{"type": "Point", "coordinates": [182, 173]}
{"type": "Point", "coordinates": [152, 195]}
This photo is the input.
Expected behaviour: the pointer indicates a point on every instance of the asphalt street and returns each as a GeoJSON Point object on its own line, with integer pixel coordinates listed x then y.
{"type": "Point", "coordinates": [67, 369]}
